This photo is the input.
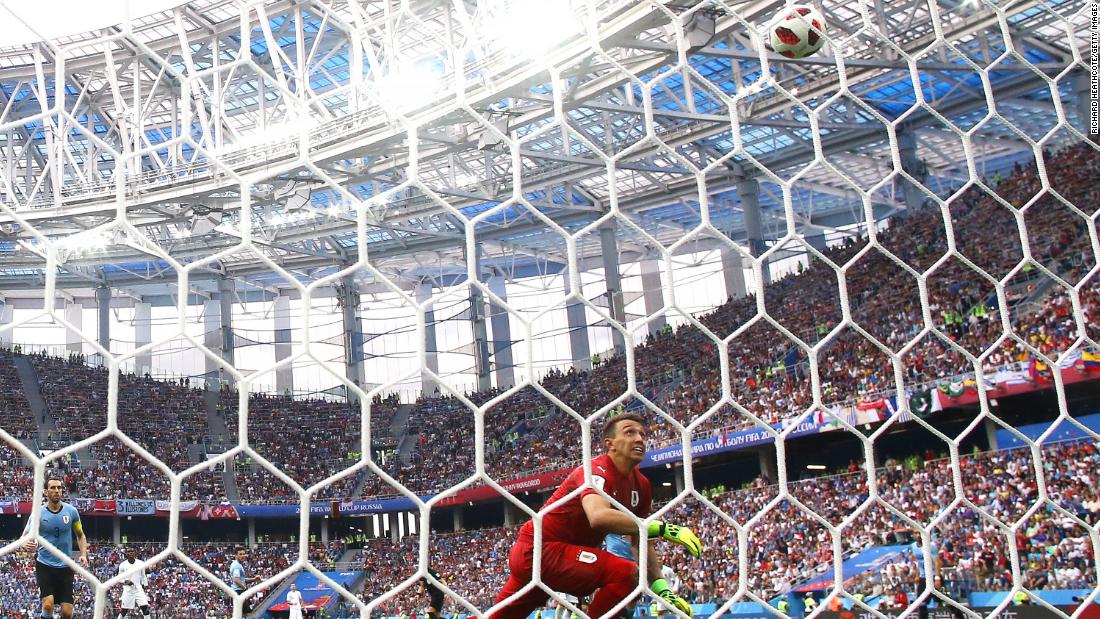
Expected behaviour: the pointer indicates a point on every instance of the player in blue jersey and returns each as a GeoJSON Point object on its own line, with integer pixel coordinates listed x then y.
{"type": "Point", "coordinates": [238, 581]}
{"type": "Point", "coordinates": [619, 546]}
{"type": "Point", "coordinates": [59, 522]}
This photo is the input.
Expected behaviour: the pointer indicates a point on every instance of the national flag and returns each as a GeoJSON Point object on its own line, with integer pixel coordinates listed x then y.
{"type": "Point", "coordinates": [1039, 371]}
{"type": "Point", "coordinates": [833, 415]}
{"type": "Point", "coordinates": [920, 402]}
{"type": "Point", "coordinates": [851, 416]}
{"type": "Point", "coordinates": [937, 400]}
{"type": "Point", "coordinates": [904, 415]}
{"type": "Point", "coordinates": [845, 414]}
{"type": "Point", "coordinates": [223, 511]}
{"type": "Point", "coordinates": [104, 506]}
{"type": "Point", "coordinates": [1069, 360]}
{"type": "Point", "coordinates": [953, 390]}
{"type": "Point", "coordinates": [871, 409]}
{"type": "Point", "coordinates": [1090, 360]}
{"type": "Point", "coordinates": [1012, 374]}
{"type": "Point", "coordinates": [970, 386]}
{"type": "Point", "coordinates": [871, 403]}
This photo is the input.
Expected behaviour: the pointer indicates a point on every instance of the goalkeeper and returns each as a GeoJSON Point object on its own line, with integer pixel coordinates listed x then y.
{"type": "Point", "coordinates": [573, 531]}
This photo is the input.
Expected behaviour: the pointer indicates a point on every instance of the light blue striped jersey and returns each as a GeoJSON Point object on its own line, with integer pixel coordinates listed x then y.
{"type": "Point", "coordinates": [57, 529]}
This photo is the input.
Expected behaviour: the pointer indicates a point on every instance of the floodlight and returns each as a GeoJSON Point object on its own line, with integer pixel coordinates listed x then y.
{"type": "Point", "coordinates": [205, 225]}
{"type": "Point", "coordinates": [204, 219]}
{"type": "Point", "coordinates": [407, 85]}
{"type": "Point", "coordinates": [532, 27]}
{"type": "Point", "coordinates": [489, 139]}
{"type": "Point", "coordinates": [699, 30]}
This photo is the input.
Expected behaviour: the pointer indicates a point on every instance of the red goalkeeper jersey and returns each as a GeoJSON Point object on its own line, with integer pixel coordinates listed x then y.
{"type": "Point", "coordinates": [568, 522]}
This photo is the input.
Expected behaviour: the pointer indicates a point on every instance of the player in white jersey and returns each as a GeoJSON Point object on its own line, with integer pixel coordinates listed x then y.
{"type": "Point", "coordinates": [294, 601]}
{"type": "Point", "coordinates": [133, 587]}
{"type": "Point", "coordinates": [561, 612]}
{"type": "Point", "coordinates": [670, 576]}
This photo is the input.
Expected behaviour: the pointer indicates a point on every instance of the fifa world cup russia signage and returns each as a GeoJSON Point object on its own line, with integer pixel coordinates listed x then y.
{"type": "Point", "coordinates": [728, 441]}
{"type": "Point", "coordinates": [133, 507]}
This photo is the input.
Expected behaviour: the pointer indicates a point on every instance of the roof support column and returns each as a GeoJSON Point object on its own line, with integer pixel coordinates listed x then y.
{"type": "Point", "coordinates": [428, 384]}
{"type": "Point", "coordinates": [10, 160]}
{"type": "Point", "coordinates": [578, 328]}
{"type": "Point", "coordinates": [610, 249]}
{"type": "Point", "coordinates": [227, 289]}
{"type": "Point", "coordinates": [653, 293]}
{"type": "Point", "coordinates": [284, 375]}
{"type": "Point", "coordinates": [913, 166]}
{"type": "Point", "coordinates": [143, 335]}
{"type": "Point", "coordinates": [768, 460]}
{"type": "Point", "coordinates": [499, 318]}
{"type": "Point", "coordinates": [7, 315]}
{"type": "Point", "coordinates": [991, 433]}
{"type": "Point", "coordinates": [818, 242]}
{"type": "Point", "coordinates": [733, 273]}
{"type": "Point", "coordinates": [748, 189]}
{"type": "Point", "coordinates": [348, 297]}
{"type": "Point", "coordinates": [103, 312]}
{"type": "Point", "coordinates": [480, 329]}
{"type": "Point", "coordinates": [218, 323]}
{"type": "Point", "coordinates": [212, 324]}
{"type": "Point", "coordinates": [54, 158]}
{"type": "Point", "coordinates": [28, 170]}
{"type": "Point", "coordinates": [74, 315]}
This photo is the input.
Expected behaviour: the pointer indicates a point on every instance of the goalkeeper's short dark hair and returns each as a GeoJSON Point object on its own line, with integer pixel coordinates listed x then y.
{"type": "Point", "coordinates": [610, 427]}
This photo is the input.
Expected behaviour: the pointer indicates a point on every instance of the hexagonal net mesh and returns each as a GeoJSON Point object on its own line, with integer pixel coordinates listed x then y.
{"type": "Point", "coordinates": [853, 296]}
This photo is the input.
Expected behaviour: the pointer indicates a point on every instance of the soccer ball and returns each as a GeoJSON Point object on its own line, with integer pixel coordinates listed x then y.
{"type": "Point", "coordinates": [796, 33]}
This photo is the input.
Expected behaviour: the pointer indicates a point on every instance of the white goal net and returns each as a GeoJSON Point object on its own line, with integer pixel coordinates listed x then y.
{"type": "Point", "coordinates": [365, 279]}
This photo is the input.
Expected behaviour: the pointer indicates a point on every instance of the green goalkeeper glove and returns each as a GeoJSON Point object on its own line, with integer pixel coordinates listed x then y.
{"type": "Point", "coordinates": [660, 587]}
{"type": "Point", "coordinates": [680, 535]}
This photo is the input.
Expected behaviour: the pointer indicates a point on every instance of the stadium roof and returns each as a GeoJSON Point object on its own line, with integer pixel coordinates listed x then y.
{"type": "Point", "coordinates": [300, 111]}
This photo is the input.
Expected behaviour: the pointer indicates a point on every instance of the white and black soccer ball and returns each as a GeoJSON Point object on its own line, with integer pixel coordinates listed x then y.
{"type": "Point", "coordinates": [797, 31]}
